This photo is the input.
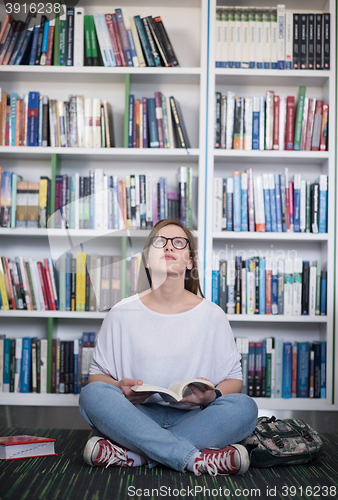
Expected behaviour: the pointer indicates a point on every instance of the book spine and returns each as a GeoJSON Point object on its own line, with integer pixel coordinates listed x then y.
{"type": "Point", "coordinates": [311, 42]}
{"type": "Point", "coordinates": [258, 369]}
{"type": "Point", "coordinates": [69, 53]}
{"type": "Point", "coordinates": [262, 115]}
{"type": "Point", "coordinates": [319, 41]}
{"type": "Point", "coordinates": [303, 365]}
{"type": "Point", "coordinates": [324, 128]}
{"type": "Point", "coordinates": [79, 37]}
{"type": "Point", "coordinates": [299, 119]}
{"type": "Point", "coordinates": [244, 202]}
{"type": "Point", "coordinates": [303, 41]}
{"type": "Point", "coordinates": [124, 37]}
{"type": "Point", "coordinates": [251, 369]}
{"type": "Point", "coordinates": [326, 40]}
{"type": "Point", "coordinates": [281, 36]}
{"type": "Point", "coordinates": [290, 112]}
{"type": "Point", "coordinates": [262, 280]}
{"type": "Point", "coordinates": [159, 118]}
{"type": "Point", "coordinates": [296, 41]}
{"type": "Point", "coordinates": [230, 119]}
{"type": "Point", "coordinates": [251, 209]}
{"type": "Point", "coordinates": [274, 288]}
{"type": "Point", "coordinates": [274, 38]}
{"type": "Point", "coordinates": [276, 123]}
{"type": "Point", "coordinates": [287, 369]}
{"type": "Point", "coordinates": [255, 124]}
{"type": "Point", "coordinates": [166, 41]}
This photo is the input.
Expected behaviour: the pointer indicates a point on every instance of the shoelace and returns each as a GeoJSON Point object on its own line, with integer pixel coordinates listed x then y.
{"type": "Point", "coordinates": [214, 462]}
{"type": "Point", "coordinates": [112, 454]}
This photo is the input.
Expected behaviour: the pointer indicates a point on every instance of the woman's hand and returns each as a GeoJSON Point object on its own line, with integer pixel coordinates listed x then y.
{"type": "Point", "coordinates": [135, 398]}
{"type": "Point", "coordinates": [200, 398]}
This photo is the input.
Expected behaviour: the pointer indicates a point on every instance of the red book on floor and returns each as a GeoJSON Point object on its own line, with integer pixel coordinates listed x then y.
{"type": "Point", "coordinates": [24, 446]}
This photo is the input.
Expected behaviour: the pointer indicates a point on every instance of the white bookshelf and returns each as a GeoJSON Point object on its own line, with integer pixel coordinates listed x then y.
{"type": "Point", "coordinates": [191, 27]}
{"type": "Point", "coordinates": [185, 22]}
{"type": "Point", "coordinates": [222, 163]}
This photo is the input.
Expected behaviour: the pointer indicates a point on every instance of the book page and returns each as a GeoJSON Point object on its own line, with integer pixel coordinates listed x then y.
{"type": "Point", "coordinates": [180, 386]}
{"type": "Point", "coordinates": [166, 394]}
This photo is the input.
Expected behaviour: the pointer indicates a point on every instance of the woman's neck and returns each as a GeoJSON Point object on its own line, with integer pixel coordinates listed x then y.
{"type": "Point", "coordinates": [170, 296]}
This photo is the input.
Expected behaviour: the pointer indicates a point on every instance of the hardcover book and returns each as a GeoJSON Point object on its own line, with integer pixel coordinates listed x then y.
{"type": "Point", "coordinates": [25, 446]}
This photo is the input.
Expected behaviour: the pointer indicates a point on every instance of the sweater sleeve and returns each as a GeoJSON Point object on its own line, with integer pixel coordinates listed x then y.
{"type": "Point", "coordinates": [227, 357]}
{"type": "Point", "coordinates": [103, 361]}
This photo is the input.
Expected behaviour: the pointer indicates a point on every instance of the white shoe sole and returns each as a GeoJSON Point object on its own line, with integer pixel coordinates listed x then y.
{"type": "Point", "coordinates": [87, 452]}
{"type": "Point", "coordinates": [244, 458]}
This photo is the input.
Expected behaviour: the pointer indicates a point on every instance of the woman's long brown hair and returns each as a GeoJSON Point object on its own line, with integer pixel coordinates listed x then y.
{"type": "Point", "coordinates": [191, 282]}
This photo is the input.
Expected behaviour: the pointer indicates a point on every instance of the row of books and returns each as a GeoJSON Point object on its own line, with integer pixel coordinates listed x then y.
{"type": "Point", "coordinates": [261, 285]}
{"type": "Point", "coordinates": [270, 203]}
{"type": "Point", "coordinates": [273, 368]}
{"type": "Point", "coordinates": [156, 122]}
{"type": "Point", "coordinates": [65, 36]}
{"type": "Point", "coordinates": [36, 120]}
{"type": "Point", "coordinates": [80, 282]}
{"type": "Point", "coordinates": [271, 122]}
{"type": "Point", "coordinates": [98, 201]}
{"type": "Point", "coordinates": [271, 38]}
{"type": "Point", "coordinates": [24, 365]}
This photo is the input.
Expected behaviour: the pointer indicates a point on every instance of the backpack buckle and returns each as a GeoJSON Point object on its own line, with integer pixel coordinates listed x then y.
{"type": "Point", "coordinates": [306, 435]}
{"type": "Point", "coordinates": [278, 441]}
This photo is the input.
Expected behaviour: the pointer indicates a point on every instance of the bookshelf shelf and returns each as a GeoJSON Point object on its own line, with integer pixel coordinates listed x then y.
{"type": "Point", "coordinates": [29, 399]}
{"type": "Point", "coordinates": [101, 154]}
{"type": "Point", "coordinates": [254, 236]}
{"type": "Point", "coordinates": [52, 314]}
{"type": "Point", "coordinates": [269, 318]}
{"type": "Point", "coordinates": [111, 233]}
{"type": "Point", "coordinates": [293, 404]}
{"type": "Point", "coordinates": [272, 77]}
{"type": "Point", "coordinates": [282, 157]}
{"type": "Point", "coordinates": [99, 70]}
{"type": "Point", "coordinates": [73, 75]}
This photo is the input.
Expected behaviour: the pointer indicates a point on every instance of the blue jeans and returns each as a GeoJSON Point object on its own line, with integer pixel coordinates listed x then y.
{"type": "Point", "coordinates": [163, 434]}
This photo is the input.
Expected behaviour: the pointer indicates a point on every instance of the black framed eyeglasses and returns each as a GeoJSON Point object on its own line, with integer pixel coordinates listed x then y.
{"type": "Point", "coordinates": [178, 242]}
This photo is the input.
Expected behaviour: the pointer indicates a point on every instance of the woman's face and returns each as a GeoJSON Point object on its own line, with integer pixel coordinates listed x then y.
{"type": "Point", "coordinates": [169, 260]}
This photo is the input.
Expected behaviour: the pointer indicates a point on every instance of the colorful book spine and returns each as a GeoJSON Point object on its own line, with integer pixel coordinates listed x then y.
{"type": "Point", "coordinates": [287, 369]}
{"type": "Point", "coordinates": [303, 365]}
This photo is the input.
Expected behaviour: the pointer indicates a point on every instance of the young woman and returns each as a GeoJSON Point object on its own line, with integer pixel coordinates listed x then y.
{"type": "Point", "coordinates": [162, 334]}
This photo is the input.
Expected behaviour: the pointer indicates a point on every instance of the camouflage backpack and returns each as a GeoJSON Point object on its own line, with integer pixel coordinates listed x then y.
{"type": "Point", "coordinates": [283, 442]}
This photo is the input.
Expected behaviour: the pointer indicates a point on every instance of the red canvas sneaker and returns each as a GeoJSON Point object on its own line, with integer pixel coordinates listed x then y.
{"type": "Point", "coordinates": [234, 459]}
{"type": "Point", "coordinates": [102, 453]}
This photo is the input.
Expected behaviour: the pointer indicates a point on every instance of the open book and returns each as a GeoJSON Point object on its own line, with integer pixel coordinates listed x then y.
{"type": "Point", "coordinates": [177, 390]}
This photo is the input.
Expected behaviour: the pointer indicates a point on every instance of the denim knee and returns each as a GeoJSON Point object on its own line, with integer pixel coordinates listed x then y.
{"type": "Point", "coordinates": [248, 408]}
{"type": "Point", "coordinates": [90, 392]}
